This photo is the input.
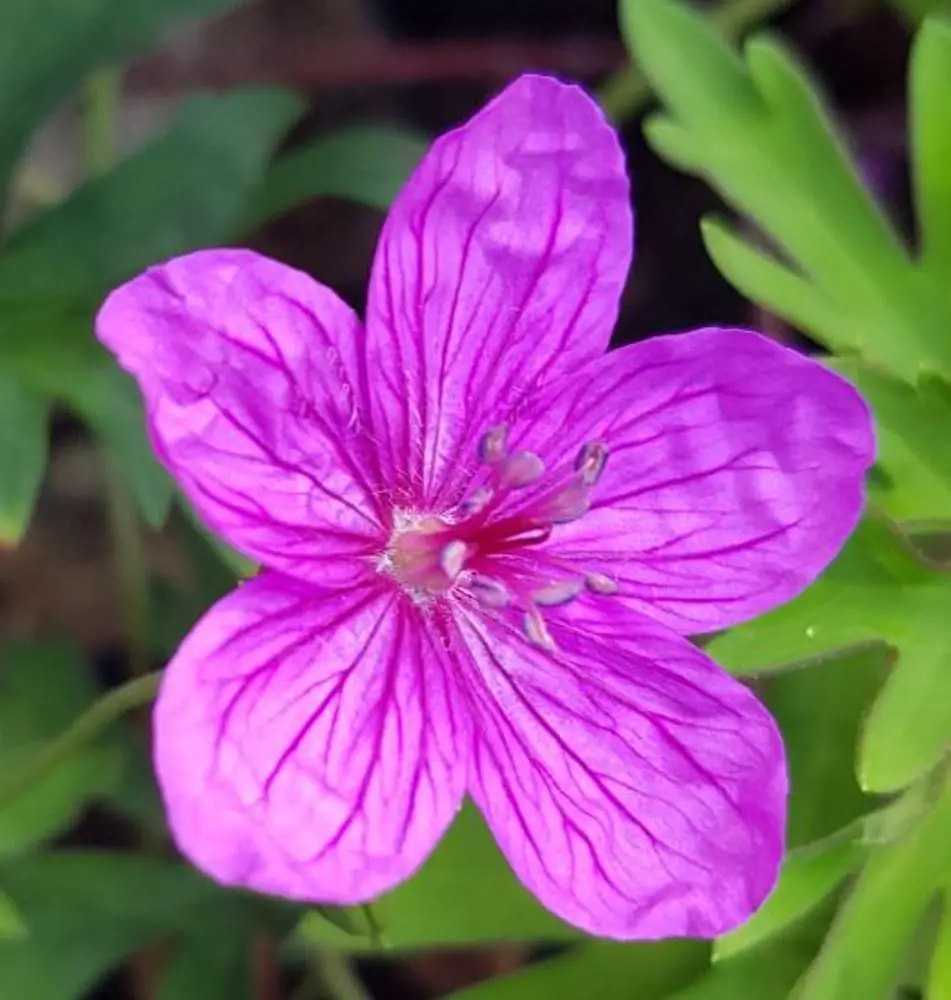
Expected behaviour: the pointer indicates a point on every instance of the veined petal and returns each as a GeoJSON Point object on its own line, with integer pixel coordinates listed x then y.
{"type": "Point", "coordinates": [637, 789]}
{"type": "Point", "coordinates": [250, 378]}
{"type": "Point", "coordinates": [735, 472]}
{"type": "Point", "coordinates": [500, 267]}
{"type": "Point", "coordinates": [307, 743]}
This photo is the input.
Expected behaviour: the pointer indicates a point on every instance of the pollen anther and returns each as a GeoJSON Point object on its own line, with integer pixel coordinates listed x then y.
{"type": "Point", "coordinates": [522, 469]}
{"type": "Point", "coordinates": [452, 558]}
{"type": "Point", "coordinates": [489, 592]}
{"type": "Point", "coordinates": [556, 594]}
{"type": "Point", "coordinates": [590, 462]}
{"type": "Point", "coordinates": [536, 631]}
{"type": "Point", "coordinates": [568, 505]}
{"type": "Point", "coordinates": [600, 584]}
{"type": "Point", "coordinates": [493, 445]}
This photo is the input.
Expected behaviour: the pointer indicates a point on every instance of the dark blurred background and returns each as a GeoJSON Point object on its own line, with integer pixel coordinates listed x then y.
{"type": "Point", "coordinates": [422, 64]}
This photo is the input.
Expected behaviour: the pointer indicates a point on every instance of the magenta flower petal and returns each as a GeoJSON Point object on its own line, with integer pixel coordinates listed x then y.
{"type": "Point", "coordinates": [734, 473]}
{"type": "Point", "coordinates": [307, 742]}
{"type": "Point", "coordinates": [499, 268]}
{"type": "Point", "coordinates": [482, 538]}
{"type": "Point", "coordinates": [247, 368]}
{"type": "Point", "coordinates": [637, 789]}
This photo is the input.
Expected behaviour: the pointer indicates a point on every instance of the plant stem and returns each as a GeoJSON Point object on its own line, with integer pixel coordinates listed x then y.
{"type": "Point", "coordinates": [331, 976]}
{"type": "Point", "coordinates": [374, 926]}
{"type": "Point", "coordinates": [133, 694]}
{"type": "Point", "coordinates": [627, 91]}
{"type": "Point", "coordinates": [100, 118]}
{"type": "Point", "coordinates": [131, 566]}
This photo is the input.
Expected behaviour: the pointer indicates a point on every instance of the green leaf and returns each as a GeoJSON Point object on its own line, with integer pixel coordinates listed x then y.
{"type": "Point", "coordinates": [808, 877]}
{"type": "Point", "coordinates": [906, 732]}
{"type": "Point", "coordinates": [43, 688]}
{"type": "Point", "coordinates": [49, 347]}
{"type": "Point", "coordinates": [49, 47]}
{"type": "Point", "coordinates": [672, 970]}
{"type": "Point", "coordinates": [45, 342]}
{"type": "Point", "coordinates": [912, 431]}
{"type": "Point", "coordinates": [24, 416]}
{"type": "Point", "coordinates": [862, 598]}
{"type": "Point", "coordinates": [876, 591]}
{"type": "Point", "coordinates": [918, 10]}
{"type": "Point", "coordinates": [87, 910]}
{"type": "Point", "coordinates": [12, 927]}
{"type": "Point", "coordinates": [930, 85]}
{"type": "Point", "coordinates": [939, 972]}
{"type": "Point", "coordinates": [767, 972]}
{"type": "Point", "coordinates": [626, 91]}
{"type": "Point", "coordinates": [820, 710]}
{"type": "Point", "coordinates": [916, 955]}
{"type": "Point", "coordinates": [238, 564]}
{"type": "Point", "coordinates": [465, 893]}
{"type": "Point", "coordinates": [136, 796]}
{"type": "Point", "coordinates": [365, 163]}
{"type": "Point", "coordinates": [210, 968]}
{"type": "Point", "coordinates": [757, 131]}
{"type": "Point", "coordinates": [108, 400]}
{"type": "Point", "coordinates": [214, 960]}
{"type": "Point", "coordinates": [186, 189]}
{"type": "Point", "coordinates": [603, 969]}
{"type": "Point", "coordinates": [761, 974]}
{"type": "Point", "coordinates": [211, 574]}
{"type": "Point", "coordinates": [714, 86]}
{"type": "Point", "coordinates": [760, 275]}
{"type": "Point", "coordinates": [863, 953]}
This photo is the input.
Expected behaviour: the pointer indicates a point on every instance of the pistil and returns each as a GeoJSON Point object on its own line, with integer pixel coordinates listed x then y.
{"type": "Point", "coordinates": [471, 550]}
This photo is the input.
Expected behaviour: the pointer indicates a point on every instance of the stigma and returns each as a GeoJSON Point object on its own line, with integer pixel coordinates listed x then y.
{"type": "Point", "coordinates": [490, 548]}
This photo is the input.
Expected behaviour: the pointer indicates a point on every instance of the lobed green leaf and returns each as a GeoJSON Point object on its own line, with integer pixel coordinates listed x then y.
{"type": "Point", "coordinates": [757, 130]}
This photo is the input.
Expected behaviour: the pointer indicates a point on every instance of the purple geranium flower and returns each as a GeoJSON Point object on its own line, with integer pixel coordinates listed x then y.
{"type": "Point", "coordinates": [485, 540]}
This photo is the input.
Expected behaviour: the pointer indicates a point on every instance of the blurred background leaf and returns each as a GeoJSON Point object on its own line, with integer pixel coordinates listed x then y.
{"type": "Point", "coordinates": [186, 189]}
{"type": "Point", "coordinates": [108, 402]}
{"type": "Point", "coordinates": [24, 420]}
{"type": "Point", "coordinates": [367, 164]}
{"type": "Point", "coordinates": [12, 927]}
{"type": "Point", "coordinates": [49, 47]}
{"type": "Point", "coordinates": [464, 893]}
{"type": "Point", "coordinates": [605, 970]}
{"type": "Point", "coordinates": [918, 10]}
{"type": "Point", "coordinates": [214, 959]}
{"type": "Point", "coordinates": [48, 350]}
{"type": "Point", "coordinates": [43, 688]}
{"type": "Point", "coordinates": [671, 970]}
{"type": "Point", "coordinates": [86, 911]}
